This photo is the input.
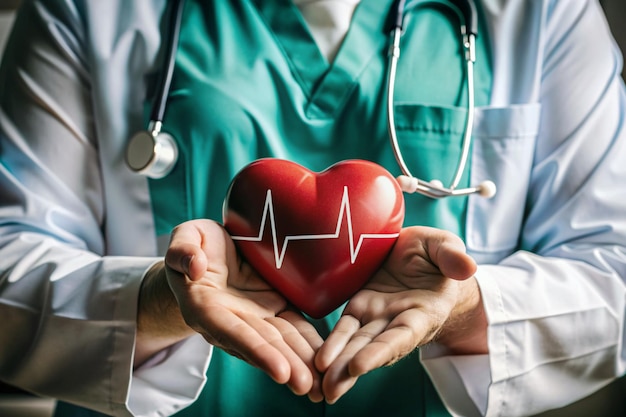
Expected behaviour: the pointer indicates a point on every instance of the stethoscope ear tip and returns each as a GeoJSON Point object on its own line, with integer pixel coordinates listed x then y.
{"type": "Point", "coordinates": [407, 184]}
{"type": "Point", "coordinates": [487, 189]}
{"type": "Point", "coordinates": [435, 188]}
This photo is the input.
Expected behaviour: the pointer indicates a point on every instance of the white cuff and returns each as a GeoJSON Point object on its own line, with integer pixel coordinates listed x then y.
{"type": "Point", "coordinates": [173, 383]}
{"type": "Point", "coordinates": [462, 381]}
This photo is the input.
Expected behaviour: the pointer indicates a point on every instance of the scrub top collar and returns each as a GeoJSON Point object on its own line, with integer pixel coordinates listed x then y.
{"type": "Point", "coordinates": [327, 85]}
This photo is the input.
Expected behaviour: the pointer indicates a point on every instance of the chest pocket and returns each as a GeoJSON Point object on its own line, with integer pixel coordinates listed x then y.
{"type": "Point", "coordinates": [430, 139]}
{"type": "Point", "coordinates": [503, 147]}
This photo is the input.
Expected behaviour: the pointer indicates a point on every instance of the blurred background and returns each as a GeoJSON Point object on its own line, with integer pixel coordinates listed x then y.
{"type": "Point", "coordinates": [610, 402]}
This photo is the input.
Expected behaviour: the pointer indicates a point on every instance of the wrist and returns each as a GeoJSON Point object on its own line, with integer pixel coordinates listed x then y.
{"type": "Point", "coordinates": [160, 323]}
{"type": "Point", "coordinates": [465, 331]}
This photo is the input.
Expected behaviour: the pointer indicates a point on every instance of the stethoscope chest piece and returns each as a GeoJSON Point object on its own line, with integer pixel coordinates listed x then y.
{"type": "Point", "coordinates": [152, 153]}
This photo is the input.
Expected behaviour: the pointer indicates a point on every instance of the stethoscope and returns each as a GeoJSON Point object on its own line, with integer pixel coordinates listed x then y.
{"type": "Point", "coordinates": [154, 153]}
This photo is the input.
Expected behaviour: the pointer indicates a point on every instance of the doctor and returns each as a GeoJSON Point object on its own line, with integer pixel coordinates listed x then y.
{"type": "Point", "coordinates": [122, 294]}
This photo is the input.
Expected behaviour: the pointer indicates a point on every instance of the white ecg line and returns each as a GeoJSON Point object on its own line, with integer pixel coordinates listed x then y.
{"type": "Point", "coordinates": [268, 210]}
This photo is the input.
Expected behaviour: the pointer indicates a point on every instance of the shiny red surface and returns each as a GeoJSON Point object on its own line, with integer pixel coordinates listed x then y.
{"type": "Point", "coordinates": [309, 231]}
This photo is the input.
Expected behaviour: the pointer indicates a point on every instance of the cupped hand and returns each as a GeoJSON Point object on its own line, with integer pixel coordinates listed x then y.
{"type": "Point", "coordinates": [225, 301]}
{"type": "Point", "coordinates": [421, 293]}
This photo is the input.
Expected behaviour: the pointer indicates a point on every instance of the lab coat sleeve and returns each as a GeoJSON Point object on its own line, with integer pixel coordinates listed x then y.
{"type": "Point", "coordinates": [68, 310]}
{"type": "Point", "coordinates": [556, 307]}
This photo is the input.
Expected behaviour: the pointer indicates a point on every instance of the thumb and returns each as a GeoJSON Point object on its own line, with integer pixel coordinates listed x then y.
{"type": "Point", "coordinates": [186, 253]}
{"type": "Point", "coordinates": [448, 252]}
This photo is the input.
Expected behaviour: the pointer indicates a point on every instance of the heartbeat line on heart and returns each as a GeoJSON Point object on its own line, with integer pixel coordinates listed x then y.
{"type": "Point", "coordinates": [279, 255]}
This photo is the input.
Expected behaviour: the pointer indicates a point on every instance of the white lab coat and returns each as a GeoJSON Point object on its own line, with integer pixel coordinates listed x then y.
{"type": "Point", "coordinates": [76, 232]}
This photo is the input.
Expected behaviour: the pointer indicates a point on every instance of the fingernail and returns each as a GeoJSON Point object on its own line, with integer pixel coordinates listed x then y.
{"type": "Point", "coordinates": [316, 397]}
{"type": "Point", "coordinates": [293, 390]}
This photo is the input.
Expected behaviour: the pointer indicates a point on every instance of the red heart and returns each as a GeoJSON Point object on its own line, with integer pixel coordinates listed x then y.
{"type": "Point", "coordinates": [315, 237]}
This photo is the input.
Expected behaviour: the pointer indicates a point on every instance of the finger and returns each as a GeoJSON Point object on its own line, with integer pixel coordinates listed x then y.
{"type": "Point", "coordinates": [238, 336]}
{"type": "Point", "coordinates": [300, 382]}
{"type": "Point", "coordinates": [234, 334]}
{"type": "Point", "coordinates": [453, 261]}
{"type": "Point", "coordinates": [338, 378]}
{"type": "Point", "coordinates": [305, 328]}
{"type": "Point", "coordinates": [197, 247]}
{"type": "Point", "coordinates": [448, 252]}
{"type": "Point", "coordinates": [314, 341]}
{"type": "Point", "coordinates": [285, 339]}
{"type": "Point", "coordinates": [386, 349]}
{"type": "Point", "coordinates": [185, 250]}
{"type": "Point", "coordinates": [358, 341]}
{"type": "Point", "coordinates": [336, 342]}
{"type": "Point", "coordinates": [337, 381]}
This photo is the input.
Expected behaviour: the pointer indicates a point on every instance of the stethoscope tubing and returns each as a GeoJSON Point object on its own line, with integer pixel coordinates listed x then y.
{"type": "Point", "coordinates": [431, 189]}
{"type": "Point", "coordinates": [159, 159]}
{"type": "Point", "coordinates": [466, 11]}
{"type": "Point", "coordinates": [158, 109]}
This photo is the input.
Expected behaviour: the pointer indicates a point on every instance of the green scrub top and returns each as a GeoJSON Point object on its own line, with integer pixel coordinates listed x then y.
{"type": "Point", "coordinates": [250, 82]}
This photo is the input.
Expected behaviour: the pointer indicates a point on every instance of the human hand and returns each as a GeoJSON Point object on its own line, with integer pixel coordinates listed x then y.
{"type": "Point", "coordinates": [421, 292]}
{"type": "Point", "coordinates": [232, 308]}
